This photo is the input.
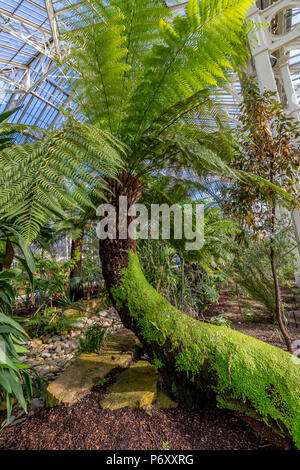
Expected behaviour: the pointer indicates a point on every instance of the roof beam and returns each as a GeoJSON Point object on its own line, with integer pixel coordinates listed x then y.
{"type": "Point", "coordinates": [43, 48]}
{"type": "Point", "coordinates": [53, 24]}
{"type": "Point", "coordinates": [20, 19]}
{"type": "Point", "coordinates": [12, 63]}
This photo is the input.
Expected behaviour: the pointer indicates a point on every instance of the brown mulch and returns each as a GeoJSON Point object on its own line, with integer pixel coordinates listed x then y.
{"type": "Point", "coordinates": [265, 330]}
{"type": "Point", "coordinates": [85, 426]}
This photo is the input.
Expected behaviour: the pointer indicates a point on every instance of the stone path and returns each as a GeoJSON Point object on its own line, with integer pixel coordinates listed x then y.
{"type": "Point", "coordinates": [136, 388]}
{"type": "Point", "coordinates": [71, 377]}
{"type": "Point", "coordinates": [51, 355]}
{"type": "Point", "coordinates": [78, 380]}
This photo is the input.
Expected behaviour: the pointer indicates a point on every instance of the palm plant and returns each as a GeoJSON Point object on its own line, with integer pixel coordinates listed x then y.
{"type": "Point", "coordinates": [147, 79]}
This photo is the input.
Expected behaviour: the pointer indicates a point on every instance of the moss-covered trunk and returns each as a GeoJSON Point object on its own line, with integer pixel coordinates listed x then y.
{"type": "Point", "coordinates": [199, 361]}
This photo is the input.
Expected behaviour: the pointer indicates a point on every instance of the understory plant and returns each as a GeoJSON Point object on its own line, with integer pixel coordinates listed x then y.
{"type": "Point", "coordinates": [93, 339]}
{"type": "Point", "coordinates": [268, 146]}
{"type": "Point", "coordinates": [53, 277]}
{"type": "Point", "coordinates": [51, 321]}
{"type": "Point", "coordinates": [250, 266]}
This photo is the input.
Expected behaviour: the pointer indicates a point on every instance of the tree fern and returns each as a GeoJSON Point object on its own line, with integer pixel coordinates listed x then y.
{"type": "Point", "coordinates": [67, 170]}
{"type": "Point", "coordinates": [135, 63]}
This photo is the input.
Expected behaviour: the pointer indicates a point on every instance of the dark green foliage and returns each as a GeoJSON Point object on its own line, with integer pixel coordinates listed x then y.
{"type": "Point", "coordinates": [94, 337]}
{"type": "Point", "coordinates": [51, 321]}
{"type": "Point", "coordinates": [15, 381]}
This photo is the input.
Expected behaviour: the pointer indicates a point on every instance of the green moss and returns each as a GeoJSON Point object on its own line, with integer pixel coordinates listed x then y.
{"type": "Point", "coordinates": [158, 364]}
{"type": "Point", "coordinates": [251, 375]}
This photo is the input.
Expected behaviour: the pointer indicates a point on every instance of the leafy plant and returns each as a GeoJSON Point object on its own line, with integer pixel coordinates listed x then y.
{"type": "Point", "coordinates": [221, 320]}
{"type": "Point", "coordinates": [165, 445]}
{"type": "Point", "coordinates": [51, 321]}
{"type": "Point", "coordinates": [14, 374]}
{"type": "Point", "coordinates": [93, 340]}
{"type": "Point", "coordinates": [268, 147]}
{"type": "Point", "coordinates": [53, 277]}
{"type": "Point", "coordinates": [43, 177]}
{"type": "Point", "coordinates": [158, 364]}
{"type": "Point", "coordinates": [101, 382]}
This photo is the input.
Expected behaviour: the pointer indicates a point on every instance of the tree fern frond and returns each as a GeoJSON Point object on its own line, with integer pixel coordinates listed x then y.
{"type": "Point", "coordinates": [38, 179]}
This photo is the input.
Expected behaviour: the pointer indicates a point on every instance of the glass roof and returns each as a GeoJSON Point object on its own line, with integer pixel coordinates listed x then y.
{"type": "Point", "coordinates": [30, 76]}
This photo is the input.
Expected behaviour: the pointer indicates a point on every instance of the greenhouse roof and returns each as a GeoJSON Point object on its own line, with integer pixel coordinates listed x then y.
{"type": "Point", "coordinates": [29, 48]}
{"type": "Point", "coordinates": [30, 76]}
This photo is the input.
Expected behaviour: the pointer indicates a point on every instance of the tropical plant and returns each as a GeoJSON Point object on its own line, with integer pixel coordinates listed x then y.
{"type": "Point", "coordinates": [250, 264]}
{"type": "Point", "coordinates": [147, 80]}
{"type": "Point", "coordinates": [53, 277]}
{"type": "Point", "coordinates": [51, 321]}
{"type": "Point", "coordinates": [93, 339]}
{"type": "Point", "coordinates": [15, 380]}
{"type": "Point", "coordinates": [40, 178]}
{"type": "Point", "coordinates": [268, 146]}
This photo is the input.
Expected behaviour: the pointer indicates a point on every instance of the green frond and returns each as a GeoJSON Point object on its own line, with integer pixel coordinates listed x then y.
{"type": "Point", "coordinates": [66, 171]}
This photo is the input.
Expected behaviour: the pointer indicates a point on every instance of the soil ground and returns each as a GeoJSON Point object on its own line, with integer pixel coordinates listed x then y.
{"type": "Point", "coordinates": [85, 426]}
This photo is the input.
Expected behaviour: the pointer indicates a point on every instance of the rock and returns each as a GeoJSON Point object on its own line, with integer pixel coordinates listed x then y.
{"type": "Point", "coordinates": [36, 405]}
{"type": "Point", "coordinates": [104, 314]}
{"type": "Point", "coordinates": [45, 354]}
{"type": "Point", "coordinates": [145, 357]}
{"type": "Point", "coordinates": [39, 361]}
{"type": "Point", "coordinates": [164, 401]}
{"type": "Point", "coordinates": [35, 343]}
{"type": "Point", "coordinates": [55, 338]}
{"type": "Point", "coordinates": [135, 388]}
{"type": "Point", "coordinates": [90, 307]}
{"type": "Point", "coordinates": [79, 378]}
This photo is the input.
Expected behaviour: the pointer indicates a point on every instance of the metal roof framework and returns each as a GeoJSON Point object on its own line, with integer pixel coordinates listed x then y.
{"type": "Point", "coordinates": [30, 51]}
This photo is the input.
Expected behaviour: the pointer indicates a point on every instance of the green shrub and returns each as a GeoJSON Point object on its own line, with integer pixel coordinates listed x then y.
{"type": "Point", "coordinates": [94, 337]}
{"type": "Point", "coordinates": [51, 321]}
{"type": "Point", "coordinates": [221, 320]}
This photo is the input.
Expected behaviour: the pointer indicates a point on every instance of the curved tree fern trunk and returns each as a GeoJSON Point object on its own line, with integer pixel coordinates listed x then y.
{"type": "Point", "coordinates": [199, 361]}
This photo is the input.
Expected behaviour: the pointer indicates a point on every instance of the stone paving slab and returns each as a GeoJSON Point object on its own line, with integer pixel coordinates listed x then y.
{"type": "Point", "coordinates": [77, 381]}
{"type": "Point", "coordinates": [135, 388]}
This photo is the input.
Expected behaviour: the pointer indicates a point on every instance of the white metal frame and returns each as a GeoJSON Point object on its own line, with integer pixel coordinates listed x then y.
{"type": "Point", "coordinates": [278, 78]}
{"type": "Point", "coordinates": [17, 79]}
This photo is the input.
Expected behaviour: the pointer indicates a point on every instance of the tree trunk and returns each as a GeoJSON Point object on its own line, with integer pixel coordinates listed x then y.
{"type": "Point", "coordinates": [278, 302]}
{"type": "Point", "coordinates": [199, 361]}
{"type": "Point", "coordinates": [76, 292]}
{"type": "Point", "coordinates": [8, 256]}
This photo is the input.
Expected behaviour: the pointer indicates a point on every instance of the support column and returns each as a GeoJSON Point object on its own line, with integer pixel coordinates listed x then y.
{"type": "Point", "coordinates": [267, 81]}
